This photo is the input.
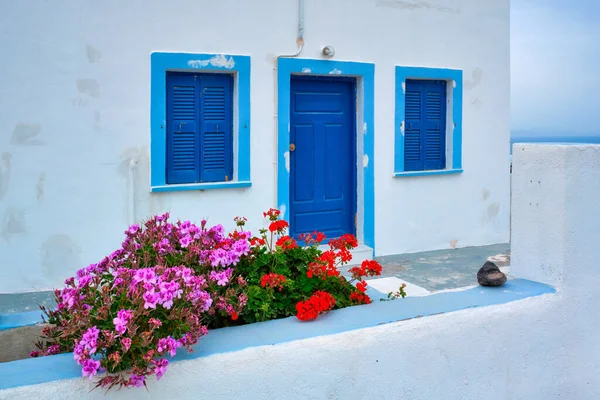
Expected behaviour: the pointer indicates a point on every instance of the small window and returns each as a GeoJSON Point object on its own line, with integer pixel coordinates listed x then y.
{"type": "Point", "coordinates": [428, 115]}
{"type": "Point", "coordinates": [199, 128]}
{"type": "Point", "coordinates": [425, 125]}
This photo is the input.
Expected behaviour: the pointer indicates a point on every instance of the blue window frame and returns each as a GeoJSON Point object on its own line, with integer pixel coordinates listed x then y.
{"type": "Point", "coordinates": [199, 128]}
{"type": "Point", "coordinates": [201, 154]}
{"type": "Point", "coordinates": [428, 132]}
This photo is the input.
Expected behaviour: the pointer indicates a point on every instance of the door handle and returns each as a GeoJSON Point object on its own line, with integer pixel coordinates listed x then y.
{"type": "Point", "coordinates": [292, 147]}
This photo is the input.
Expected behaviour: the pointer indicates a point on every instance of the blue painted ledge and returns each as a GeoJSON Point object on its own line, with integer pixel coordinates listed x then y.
{"type": "Point", "coordinates": [202, 186]}
{"type": "Point", "coordinates": [17, 320]}
{"type": "Point", "coordinates": [428, 173]}
{"type": "Point", "coordinates": [45, 369]}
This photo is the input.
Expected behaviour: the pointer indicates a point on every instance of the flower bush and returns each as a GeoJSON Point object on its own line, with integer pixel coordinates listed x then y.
{"type": "Point", "coordinates": [170, 282]}
{"type": "Point", "coordinates": [285, 279]}
{"type": "Point", "coordinates": [159, 292]}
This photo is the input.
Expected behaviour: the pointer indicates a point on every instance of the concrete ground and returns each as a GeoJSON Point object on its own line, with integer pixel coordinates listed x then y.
{"type": "Point", "coordinates": [17, 343]}
{"type": "Point", "coordinates": [24, 302]}
{"type": "Point", "coordinates": [444, 269]}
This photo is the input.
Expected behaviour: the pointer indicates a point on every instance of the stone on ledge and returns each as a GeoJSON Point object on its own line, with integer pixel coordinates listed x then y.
{"type": "Point", "coordinates": [490, 275]}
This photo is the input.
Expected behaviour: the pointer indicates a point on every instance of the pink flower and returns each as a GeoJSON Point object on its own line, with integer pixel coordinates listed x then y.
{"type": "Point", "coordinates": [150, 299]}
{"type": "Point", "coordinates": [160, 218]}
{"type": "Point", "coordinates": [168, 292]}
{"type": "Point", "coordinates": [196, 282]}
{"type": "Point", "coordinates": [84, 281]}
{"type": "Point", "coordinates": [90, 368]}
{"type": "Point", "coordinates": [200, 297]}
{"type": "Point", "coordinates": [133, 229]}
{"type": "Point", "coordinates": [145, 275]}
{"type": "Point", "coordinates": [126, 343]}
{"type": "Point", "coordinates": [164, 246]}
{"type": "Point", "coordinates": [185, 273]}
{"type": "Point", "coordinates": [79, 353]}
{"type": "Point", "coordinates": [123, 317]}
{"type": "Point", "coordinates": [182, 341]}
{"type": "Point", "coordinates": [136, 380]}
{"type": "Point", "coordinates": [185, 241]}
{"type": "Point", "coordinates": [160, 367]}
{"type": "Point", "coordinates": [88, 341]}
{"type": "Point", "coordinates": [117, 282]}
{"type": "Point", "coordinates": [221, 277]}
{"type": "Point", "coordinates": [168, 344]}
{"type": "Point", "coordinates": [54, 349]}
{"type": "Point", "coordinates": [155, 323]}
{"type": "Point", "coordinates": [69, 297]}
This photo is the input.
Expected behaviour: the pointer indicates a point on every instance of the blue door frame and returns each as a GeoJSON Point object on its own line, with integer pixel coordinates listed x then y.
{"type": "Point", "coordinates": [364, 73]}
{"type": "Point", "coordinates": [323, 165]}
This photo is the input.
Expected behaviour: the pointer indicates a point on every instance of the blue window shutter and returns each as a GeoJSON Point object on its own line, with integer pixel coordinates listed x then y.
{"type": "Point", "coordinates": [413, 127]}
{"type": "Point", "coordinates": [425, 125]}
{"type": "Point", "coordinates": [435, 125]}
{"type": "Point", "coordinates": [183, 136]}
{"type": "Point", "coordinates": [216, 164]}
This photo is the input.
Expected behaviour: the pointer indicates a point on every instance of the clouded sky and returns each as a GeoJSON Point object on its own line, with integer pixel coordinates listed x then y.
{"type": "Point", "coordinates": [555, 66]}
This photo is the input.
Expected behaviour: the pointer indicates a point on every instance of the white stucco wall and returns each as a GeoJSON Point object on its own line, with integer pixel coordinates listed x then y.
{"type": "Point", "coordinates": [74, 111]}
{"type": "Point", "coordinates": [539, 348]}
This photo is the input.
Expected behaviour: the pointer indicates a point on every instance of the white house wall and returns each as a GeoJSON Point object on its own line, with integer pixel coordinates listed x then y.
{"type": "Point", "coordinates": [75, 110]}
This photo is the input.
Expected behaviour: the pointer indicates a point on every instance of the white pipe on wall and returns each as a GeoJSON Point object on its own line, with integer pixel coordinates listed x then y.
{"type": "Point", "coordinates": [131, 188]}
{"type": "Point", "coordinates": [300, 44]}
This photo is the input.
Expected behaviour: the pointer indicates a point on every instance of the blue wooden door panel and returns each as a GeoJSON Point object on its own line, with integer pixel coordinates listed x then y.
{"type": "Point", "coordinates": [303, 160]}
{"type": "Point", "coordinates": [323, 164]}
{"type": "Point", "coordinates": [425, 125]}
{"type": "Point", "coordinates": [334, 186]}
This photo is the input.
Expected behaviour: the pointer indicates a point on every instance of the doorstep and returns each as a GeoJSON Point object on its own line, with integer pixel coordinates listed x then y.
{"type": "Point", "coordinates": [382, 286]}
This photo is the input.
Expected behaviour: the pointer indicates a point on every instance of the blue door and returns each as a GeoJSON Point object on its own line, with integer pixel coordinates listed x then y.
{"type": "Point", "coordinates": [322, 156]}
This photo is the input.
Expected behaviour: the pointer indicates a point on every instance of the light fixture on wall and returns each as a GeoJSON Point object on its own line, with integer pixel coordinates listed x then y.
{"type": "Point", "coordinates": [328, 51]}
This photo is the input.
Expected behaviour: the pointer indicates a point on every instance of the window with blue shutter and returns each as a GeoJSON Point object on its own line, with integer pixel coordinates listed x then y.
{"type": "Point", "coordinates": [199, 128]}
{"type": "Point", "coordinates": [425, 125]}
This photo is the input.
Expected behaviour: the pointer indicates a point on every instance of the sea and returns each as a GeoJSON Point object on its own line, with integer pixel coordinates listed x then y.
{"type": "Point", "coordinates": [563, 138]}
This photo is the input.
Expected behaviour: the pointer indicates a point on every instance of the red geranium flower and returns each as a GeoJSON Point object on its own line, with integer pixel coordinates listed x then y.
{"type": "Point", "coordinates": [312, 238]}
{"type": "Point", "coordinates": [346, 241]}
{"type": "Point", "coordinates": [324, 266]}
{"type": "Point", "coordinates": [361, 286]}
{"type": "Point", "coordinates": [286, 243]}
{"type": "Point", "coordinates": [273, 214]}
{"type": "Point", "coordinates": [360, 298]}
{"type": "Point", "coordinates": [257, 241]}
{"type": "Point", "coordinates": [318, 303]}
{"type": "Point", "coordinates": [367, 268]}
{"type": "Point", "coordinates": [272, 280]}
{"type": "Point", "coordinates": [278, 226]}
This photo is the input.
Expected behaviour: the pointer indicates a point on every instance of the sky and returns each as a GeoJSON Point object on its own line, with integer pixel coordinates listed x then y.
{"type": "Point", "coordinates": [555, 66]}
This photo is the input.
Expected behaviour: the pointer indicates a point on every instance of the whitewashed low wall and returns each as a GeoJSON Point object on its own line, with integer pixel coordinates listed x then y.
{"type": "Point", "coordinates": [539, 348]}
